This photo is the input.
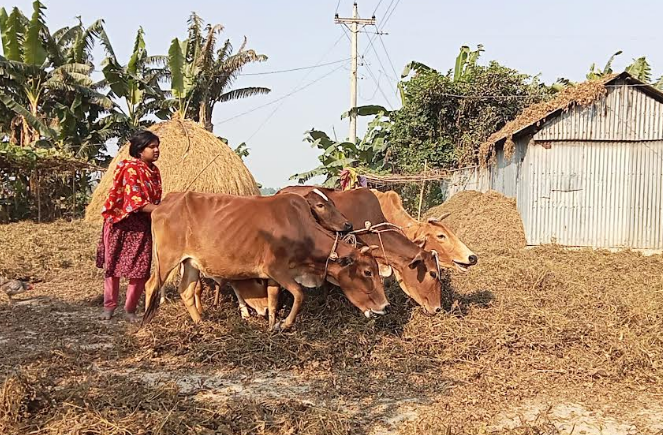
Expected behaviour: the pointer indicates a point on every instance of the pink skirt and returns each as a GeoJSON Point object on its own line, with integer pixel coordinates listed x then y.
{"type": "Point", "coordinates": [125, 247]}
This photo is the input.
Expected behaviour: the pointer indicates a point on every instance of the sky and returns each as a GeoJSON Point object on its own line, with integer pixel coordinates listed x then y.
{"type": "Point", "coordinates": [553, 39]}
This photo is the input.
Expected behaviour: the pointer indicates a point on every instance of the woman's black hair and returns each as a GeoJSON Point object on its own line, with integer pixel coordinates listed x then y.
{"type": "Point", "coordinates": [141, 140]}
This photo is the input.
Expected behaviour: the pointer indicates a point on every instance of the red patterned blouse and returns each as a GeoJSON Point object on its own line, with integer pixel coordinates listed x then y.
{"type": "Point", "coordinates": [135, 184]}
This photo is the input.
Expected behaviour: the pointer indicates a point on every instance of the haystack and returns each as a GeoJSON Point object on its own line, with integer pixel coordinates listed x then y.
{"type": "Point", "coordinates": [486, 222]}
{"type": "Point", "coordinates": [192, 159]}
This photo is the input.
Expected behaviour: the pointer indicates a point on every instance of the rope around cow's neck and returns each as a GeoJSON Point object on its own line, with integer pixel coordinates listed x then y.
{"type": "Point", "coordinates": [369, 228]}
{"type": "Point", "coordinates": [436, 256]}
{"type": "Point", "coordinates": [332, 256]}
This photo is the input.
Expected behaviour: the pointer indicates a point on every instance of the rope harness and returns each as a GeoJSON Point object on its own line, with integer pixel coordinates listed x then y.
{"type": "Point", "coordinates": [351, 237]}
{"type": "Point", "coordinates": [333, 256]}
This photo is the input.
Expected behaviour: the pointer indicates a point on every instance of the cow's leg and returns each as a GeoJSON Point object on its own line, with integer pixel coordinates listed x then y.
{"type": "Point", "coordinates": [243, 308]}
{"type": "Point", "coordinates": [197, 296]}
{"type": "Point", "coordinates": [272, 304]}
{"type": "Point", "coordinates": [217, 293]}
{"type": "Point", "coordinates": [297, 293]}
{"type": "Point", "coordinates": [190, 277]}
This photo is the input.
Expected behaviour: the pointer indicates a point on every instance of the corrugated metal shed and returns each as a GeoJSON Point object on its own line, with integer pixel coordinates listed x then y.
{"type": "Point", "coordinates": [590, 176]}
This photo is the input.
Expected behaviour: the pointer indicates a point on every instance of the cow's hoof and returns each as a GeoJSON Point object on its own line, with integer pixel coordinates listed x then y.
{"type": "Point", "coordinates": [245, 313]}
{"type": "Point", "coordinates": [278, 327]}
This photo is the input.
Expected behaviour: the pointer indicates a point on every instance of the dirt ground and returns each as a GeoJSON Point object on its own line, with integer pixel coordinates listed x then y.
{"type": "Point", "coordinates": [538, 341]}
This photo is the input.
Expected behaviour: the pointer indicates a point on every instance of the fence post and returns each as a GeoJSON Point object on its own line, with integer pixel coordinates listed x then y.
{"type": "Point", "coordinates": [423, 185]}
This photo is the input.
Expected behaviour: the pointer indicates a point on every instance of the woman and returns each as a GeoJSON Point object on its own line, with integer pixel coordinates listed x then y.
{"type": "Point", "coordinates": [125, 249]}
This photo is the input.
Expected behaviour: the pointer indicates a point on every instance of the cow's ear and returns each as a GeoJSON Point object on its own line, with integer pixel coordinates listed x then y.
{"type": "Point", "coordinates": [345, 261]}
{"type": "Point", "coordinates": [420, 241]}
{"type": "Point", "coordinates": [415, 261]}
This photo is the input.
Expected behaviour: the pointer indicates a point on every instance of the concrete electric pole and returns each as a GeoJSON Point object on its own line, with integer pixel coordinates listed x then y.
{"type": "Point", "coordinates": [353, 24]}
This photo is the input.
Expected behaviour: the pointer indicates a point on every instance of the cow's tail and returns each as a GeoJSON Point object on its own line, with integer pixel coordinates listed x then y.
{"type": "Point", "coordinates": [154, 284]}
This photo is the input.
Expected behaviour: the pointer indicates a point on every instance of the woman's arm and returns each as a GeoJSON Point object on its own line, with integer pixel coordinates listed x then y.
{"type": "Point", "coordinates": [147, 208]}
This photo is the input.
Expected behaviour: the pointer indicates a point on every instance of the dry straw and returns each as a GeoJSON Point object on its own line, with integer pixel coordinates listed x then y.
{"type": "Point", "coordinates": [582, 95]}
{"type": "Point", "coordinates": [191, 159]}
{"type": "Point", "coordinates": [528, 324]}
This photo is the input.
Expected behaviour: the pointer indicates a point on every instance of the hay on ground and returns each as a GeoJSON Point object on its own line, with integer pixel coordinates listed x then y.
{"type": "Point", "coordinates": [529, 324]}
{"type": "Point", "coordinates": [191, 159]}
{"type": "Point", "coordinates": [43, 251]}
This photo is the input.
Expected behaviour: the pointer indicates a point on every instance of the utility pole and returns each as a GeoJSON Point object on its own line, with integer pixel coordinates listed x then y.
{"type": "Point", "coordinates": [354, 24]}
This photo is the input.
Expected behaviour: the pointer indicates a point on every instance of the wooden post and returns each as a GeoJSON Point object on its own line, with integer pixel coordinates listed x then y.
{"type": "Point", "coordinates": [73, 194]}
{"type": "Point", "coordinates": [38, 187]}
{"type": "Point", "coordinates": [423, 185]}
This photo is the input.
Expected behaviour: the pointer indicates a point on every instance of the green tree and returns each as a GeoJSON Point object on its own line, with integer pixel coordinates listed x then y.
{"type": "Point", "coordinates": [46, 88]}
{"type": "Point", "coordinates": [446, 116]}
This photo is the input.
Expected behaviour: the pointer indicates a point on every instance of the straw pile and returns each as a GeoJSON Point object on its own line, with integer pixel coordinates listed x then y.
{"type": "Point", "coordinates": [186, 150]}
{"type": "Point", "coordinates": [483, 221]}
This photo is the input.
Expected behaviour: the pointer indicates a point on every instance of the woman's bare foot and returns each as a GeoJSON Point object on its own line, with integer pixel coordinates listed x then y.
{"type": "Point", "coordinates": [133, 317]}
{"type": "Point", "coordinates": [106, 315]}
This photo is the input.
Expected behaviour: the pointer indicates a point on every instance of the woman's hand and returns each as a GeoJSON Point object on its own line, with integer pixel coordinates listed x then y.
{"type": "Point", "coordinates": [148, 208]}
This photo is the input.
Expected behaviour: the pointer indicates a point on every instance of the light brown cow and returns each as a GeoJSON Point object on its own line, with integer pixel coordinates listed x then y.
{"type": "Point", "coordinates": [431, 235]}
{"type": "Point", "coordinates": [237, 238]}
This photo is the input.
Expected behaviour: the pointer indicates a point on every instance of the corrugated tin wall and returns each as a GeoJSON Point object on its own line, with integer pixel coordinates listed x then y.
{"type": "Point", "coordinates": [601, 194]}
{"type": "Point", "coordinates": [593, 177]}
{"type": "Point", "coordinates": [625, 114]}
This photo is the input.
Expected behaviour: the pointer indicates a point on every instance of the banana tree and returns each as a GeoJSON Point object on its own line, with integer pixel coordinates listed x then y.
{"type": "Point", "coordinates": [465, 61]}
{"type": "Point", "coordinates": [370, 152]}
{"type": "Point", "coordinates": [137, 84]}
{"type": "Point", "coordinates": [595, 73]}
{"type": "Point", "coordinates": [202, 76]}
{"type": "Point", "coordinates": [35, 87]}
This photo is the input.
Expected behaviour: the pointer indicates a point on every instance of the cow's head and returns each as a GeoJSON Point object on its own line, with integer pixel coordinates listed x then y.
{"type": "Point", "coordinates": [433, 235]}
{"type": "Point", "coordinates": [358, 276]}
{"type": "Point", "coordinates": [326, 213]}
{"type": "Point", "coordinates": [420, 280]}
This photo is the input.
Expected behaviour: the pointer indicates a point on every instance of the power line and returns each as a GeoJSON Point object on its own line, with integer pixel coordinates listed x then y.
{"type": "Point", "coordinates": [386, 20]}
{"type": "Point", "coordinates": [388, 57]}
{"type": "Point", "coordinates": [278, 99]}
{"type": "Point", "coordinates": [297, 86]}
{"type": "Point", "coordinates": [378, 85]}
{"type": "Point", "coordinates": [296, 69]}
{"type": "Point", "coordinates": [380, 60]}
{"type": "Point", "coordinates": [376, 8]}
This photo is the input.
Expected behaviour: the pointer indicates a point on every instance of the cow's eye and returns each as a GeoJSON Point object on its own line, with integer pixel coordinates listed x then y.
{"type": "Point", "coordinates": [320, 206]}
{"type": "Point", "coordinates": [441, 236]}
{"type": "Point", "coordinates": [433, 275]}
{"type": "Point", "coordinates": [368, 273]}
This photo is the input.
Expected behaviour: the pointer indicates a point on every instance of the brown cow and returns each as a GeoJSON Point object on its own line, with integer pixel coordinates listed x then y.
{"type": "Point", "coordinates": [274, 238]}
{"type": "Point", "coordinates": [432, 235]}
{"type": "Point", "coordinates": [415, 269]}
{"type": "Point", "coordinates": [252, 291]}
{"type": "Point", "coordinates": [324, 211]}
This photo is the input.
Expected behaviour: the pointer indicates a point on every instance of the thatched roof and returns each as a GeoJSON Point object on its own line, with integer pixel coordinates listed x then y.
{"type": "Point", "coordinates": [192, 159]}
{"type": "Point", "coordinates": [536, 115]}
